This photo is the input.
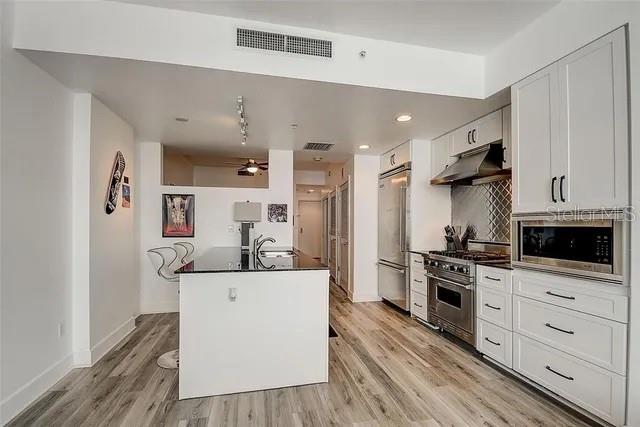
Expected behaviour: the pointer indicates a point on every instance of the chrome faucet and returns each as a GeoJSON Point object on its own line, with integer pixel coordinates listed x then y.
{"type": "Point", "coordinates": [257, 243]}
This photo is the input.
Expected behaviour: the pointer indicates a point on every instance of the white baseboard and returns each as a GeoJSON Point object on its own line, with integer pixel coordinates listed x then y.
{"type": "Point", "coordinates": [110, 341]}
{"type": "Point", "coordinates": [25, 395]}
{"type": "Point", "coordinates": [365, 298]}
{"type": "Point", "coordinates": [166, 306]}
{"type": "Point", "coordinates": [82, 359]}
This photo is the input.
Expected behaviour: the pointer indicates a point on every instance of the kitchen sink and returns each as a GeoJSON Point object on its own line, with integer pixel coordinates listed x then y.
{"type": "Point", "coordinates": [277, 254]}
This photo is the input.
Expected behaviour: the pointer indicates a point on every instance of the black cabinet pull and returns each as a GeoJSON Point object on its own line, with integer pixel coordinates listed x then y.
{"type": "Point", "coordinates": [504, 154]}
{"type": "Point", "coordinates": [491, 306]}
{"type": "Point", "coordinates": [553, 189]}
{"type": "Point", "coordinates": [492, 278]}
{"type": "Point", "coordinates": [473, 136]}
{"type": "Point", "coordinates": [492, 342]}
{"type": "Point", "coordinates": [548, 368]}
{"type": "Point", "coordinates": [469, 137]}
{"type": "Point", "coordinates": [561, 185]}
{"type": "Point", "coordinates": [419, 281]}
{"type": "Point", "coordinates": [559, 296]}
{"type": "Point", "coordinates": [417, 305]}
{"type": "Point", "coordinates": [549, 325]}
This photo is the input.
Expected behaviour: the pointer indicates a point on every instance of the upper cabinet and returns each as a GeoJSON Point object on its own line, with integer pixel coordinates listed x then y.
{"type": "Point", "coordinates": [570, 131]}
{"type": "Point", "coordinates": [395, 157]}
{"type": "Point", "coordinates": [440, 158]}
{"type": "Point", "coordinates": [481, 132]}
{"type": "Point", "coordinates": [506, 137]}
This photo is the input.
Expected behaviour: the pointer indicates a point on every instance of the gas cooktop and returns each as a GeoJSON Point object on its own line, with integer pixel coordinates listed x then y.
{"type": "Point", "coordinates": [469, 255]}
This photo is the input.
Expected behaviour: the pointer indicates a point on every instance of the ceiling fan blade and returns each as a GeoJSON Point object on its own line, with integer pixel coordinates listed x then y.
{"type": "Point", "coordinates": [263, 163]}
{"type": "Point", "coordinates": [263, 168]}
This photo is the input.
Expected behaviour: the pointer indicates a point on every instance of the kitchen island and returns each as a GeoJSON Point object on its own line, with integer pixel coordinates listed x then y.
{"type": "Point", "coordinates": [252, 322]}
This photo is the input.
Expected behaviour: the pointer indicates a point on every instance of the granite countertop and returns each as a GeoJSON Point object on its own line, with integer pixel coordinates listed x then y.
{"type": "Point", "coordinates": [232, 259]}
{"type": "Point", "coordinates": [419, 251]}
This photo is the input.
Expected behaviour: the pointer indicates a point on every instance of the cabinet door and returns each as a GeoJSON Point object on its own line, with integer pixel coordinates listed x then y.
{"type": "Point", "coordinates": [594, 125]}
{"type": "Point", "coordinates": [460, 140]}
{"type": "Point", "coordinates": [395, 157]}
{"type": "Point", "coordinates": [440, 158]}
{"type": "Point", "coordinates": [488, 129]}
{"type": "Point", "coordinates": [534, 133]}
{"type": "Point", "coordinates": [506, 137]}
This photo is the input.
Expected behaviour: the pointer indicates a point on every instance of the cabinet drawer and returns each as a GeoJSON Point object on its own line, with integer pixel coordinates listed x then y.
{"type": "Point", "coordinates": [494, 342]}
{"type": "Point", "coordinates": [597, 390]}
{"type": "Point", "coordinates": [419, 305]}
{"type": "Point", "coordinates": [596, 340]}
{"type": "Point", "coordinates": [418, 282]}
{"type": "Point", "coordinates": [416, 261]}
{"type": "Point", "coordinates": [494, 307]}
{"type": "Point", "coordinates": [495, 278]}
{"type": "Point", "coordinates": [595, 298]}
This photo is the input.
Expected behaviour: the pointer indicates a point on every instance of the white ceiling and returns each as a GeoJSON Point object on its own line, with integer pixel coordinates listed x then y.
{"type": "Point", "coordinates": [474, 26]}
{"type": "Point", "coordinates": [150, 95]}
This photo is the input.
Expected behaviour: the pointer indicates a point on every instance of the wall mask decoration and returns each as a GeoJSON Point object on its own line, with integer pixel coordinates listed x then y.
{"type": "Point", "coordinates": [178, 215]}
{"type": "Point", "coordinates": [277, 212]}
{"type": "Point", "coordinates": [117, 172]}
{"type": "Point", "coordinates": [126, 193]}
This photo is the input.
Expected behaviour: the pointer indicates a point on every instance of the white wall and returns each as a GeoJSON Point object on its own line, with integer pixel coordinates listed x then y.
{"type": "Point", "coordinates": [114, 284]}
{"type": "Point", "coordinates": [213, 216]}
{"type": "Point", "coordinates": [196, 39]}
{"type": "Point", "coordinates": [561, 30]}
{"type": "Point", "coordinates": [307, 177]}
{"type": "Point", "coordinates": [364, 243]}
{"type": "Point", "coordinates": [36, 145]}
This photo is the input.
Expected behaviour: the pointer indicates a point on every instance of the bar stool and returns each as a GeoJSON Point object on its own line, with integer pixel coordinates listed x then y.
{"type": "Point", "coordinates": [164, 261]}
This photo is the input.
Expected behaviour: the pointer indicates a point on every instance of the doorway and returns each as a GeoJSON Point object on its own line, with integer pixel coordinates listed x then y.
{"type": "Point", "coordinates": [310, 227]}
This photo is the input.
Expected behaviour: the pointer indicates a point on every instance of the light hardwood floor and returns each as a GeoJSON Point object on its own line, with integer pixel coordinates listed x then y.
{"type": "Point", "coordinates": [385, 369]}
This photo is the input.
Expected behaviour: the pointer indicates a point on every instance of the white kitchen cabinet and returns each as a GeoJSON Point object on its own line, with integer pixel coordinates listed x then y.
{"type": "Point", "coordinates": [570, 131]}
{"type": "Point", "coordinates": [440, 158]}
{"type": "Point", "coordinates": [494, 342]}
{"type": "Point", "coordinates": [506, 137]}
{"type": "Point", "coordinates": [594, 168]}
{"type": "Point", "coordinates": [395, 157]}
{"type": "Point", "coordinates": [460, 140]}
{"type": "Point", "coordinates": [483, 131]}
{"type": "Point", "coordinates": [534, 133]}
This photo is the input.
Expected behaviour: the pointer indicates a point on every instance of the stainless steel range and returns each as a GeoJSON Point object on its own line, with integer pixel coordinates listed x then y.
{"type": "Point", "coordinates": [451, 289]}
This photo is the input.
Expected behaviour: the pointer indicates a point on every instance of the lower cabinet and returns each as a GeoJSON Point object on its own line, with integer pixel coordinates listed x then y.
{"type": "Point", "coordinates": [494, 342]}
{"type": "Point", "coordinates": [597, 390]}
{"type": "Point", "coordinates": [419, 305]}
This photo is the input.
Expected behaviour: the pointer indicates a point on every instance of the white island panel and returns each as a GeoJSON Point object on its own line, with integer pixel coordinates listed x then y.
{"type": "Point", "coordinates": [274, 334]}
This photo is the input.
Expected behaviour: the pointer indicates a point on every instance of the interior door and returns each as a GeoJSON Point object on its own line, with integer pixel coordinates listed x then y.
{"type": "Point", "coordinates": [343, 276]}
{"type": "Point", "coordinates": [392, 219]}
{"type": "Point", "coordinates": [534, 134]}
{"type": "Point", "coordinates": [324, 253]}
{"type": "Point", "coordinates": [594, 125]}
{"type": "Point", "coordinates": [310, 227]}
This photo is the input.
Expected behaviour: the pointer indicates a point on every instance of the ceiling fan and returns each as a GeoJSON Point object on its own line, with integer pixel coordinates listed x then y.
{"type": "Point", "coordinates": [252, 166]}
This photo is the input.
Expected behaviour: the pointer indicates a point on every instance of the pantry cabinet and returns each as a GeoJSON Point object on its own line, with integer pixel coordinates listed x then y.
{"type": "Point", "coordinates": [570, 131]}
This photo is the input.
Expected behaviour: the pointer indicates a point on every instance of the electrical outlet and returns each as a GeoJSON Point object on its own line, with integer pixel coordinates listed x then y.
{"type": "Point", "coordinates": [231, 229]}
{"type": "Point", "coordinates": [60, 329]}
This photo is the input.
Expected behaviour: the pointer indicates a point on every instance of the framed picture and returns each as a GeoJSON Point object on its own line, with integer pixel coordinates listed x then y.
{"type": "Point", "coordinates": [277, 212]}
{"type": "Point", "coordinates": [126, 195]}
{"type": "Point", "coordinates": [178, 215]}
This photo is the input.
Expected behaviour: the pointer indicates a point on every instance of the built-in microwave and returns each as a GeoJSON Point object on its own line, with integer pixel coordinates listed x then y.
{"type": "Point", "coordinates": [585, 245]}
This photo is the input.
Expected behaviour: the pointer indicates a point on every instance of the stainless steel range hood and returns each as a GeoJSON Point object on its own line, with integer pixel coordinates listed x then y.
{"type": "Point", "coordinates": [477, 164]}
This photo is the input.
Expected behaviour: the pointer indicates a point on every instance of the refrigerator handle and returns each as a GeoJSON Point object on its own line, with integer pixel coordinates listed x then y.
{"type": "Point", "coordinates": [403, 217]}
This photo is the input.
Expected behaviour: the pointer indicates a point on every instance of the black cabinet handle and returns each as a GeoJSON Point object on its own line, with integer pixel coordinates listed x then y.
{"type": "Point", "coordinates": [419, 281]}
{"type": "Point", "coordinates": [468, 137]}
{"type": "Point", "coordinates": [561, 185]}
{"type": "Point", "coordinates": [548, 368]}
{"type": "Point", "coordinates": [504, 154]}
{"type": "Point", "coordinates": [492, 342]}
{"type": "Point", "coordinates": [490, 306]}
{"type": "Point", "coordinates": [492, 278]}
{"type": "Point", "coordinates": [553, 189]}
{"type": "Point", "coordinates": [549, 325]}
{"type": "Point", "coordinates": [473, 136]}
{"type": "Point", "coordinates": [559, 296]}
{"type": "Point", "coordinates": [417, 305]}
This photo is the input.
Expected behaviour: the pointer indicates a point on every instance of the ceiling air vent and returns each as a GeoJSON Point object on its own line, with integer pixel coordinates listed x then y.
{"type": "Point", "coordinates": [283, 43]}
{"type": "Point", "coordinates": [318, 146]}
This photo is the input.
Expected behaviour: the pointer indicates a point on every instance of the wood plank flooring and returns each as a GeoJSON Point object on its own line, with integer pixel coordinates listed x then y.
{"type": "Point", "coordinates": [385, 370]}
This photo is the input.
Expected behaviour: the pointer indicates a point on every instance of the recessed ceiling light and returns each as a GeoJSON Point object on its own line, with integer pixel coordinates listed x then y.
{"type": "Point", "coordinates": [364, 147]}
{"type": "Point", "coordinates": [403, 118]}
{"type": "Point", "coordinates": [182, 119]}
{"type": "Point", "coordinates": [317, 159]}
{"type": "Point", "coordinates": [311, 190]}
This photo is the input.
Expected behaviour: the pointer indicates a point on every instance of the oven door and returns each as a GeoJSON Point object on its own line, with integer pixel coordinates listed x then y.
{"type": "Point", "coordinates": [451, 301]}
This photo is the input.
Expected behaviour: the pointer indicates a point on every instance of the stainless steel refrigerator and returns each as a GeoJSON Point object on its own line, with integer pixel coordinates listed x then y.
{"type": "Point", "coordinates": [393, 235]}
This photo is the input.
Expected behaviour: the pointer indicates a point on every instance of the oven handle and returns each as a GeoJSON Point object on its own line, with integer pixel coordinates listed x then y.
{"type": "Point", "coordinates": [460, 285]}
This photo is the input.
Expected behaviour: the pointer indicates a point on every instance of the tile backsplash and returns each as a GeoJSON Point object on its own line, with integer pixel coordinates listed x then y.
{"type": "Point", "coordinates": [485, 206]}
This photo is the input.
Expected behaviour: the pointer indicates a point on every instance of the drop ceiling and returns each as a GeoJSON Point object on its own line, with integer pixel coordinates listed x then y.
{"type": "Point", "coordinates": [151, 95]}
{"type": "Point", "coordinates": [475, 26]}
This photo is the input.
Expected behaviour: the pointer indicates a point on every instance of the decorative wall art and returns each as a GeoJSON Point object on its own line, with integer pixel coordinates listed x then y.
{"type": "Point", "coordinates": [114, 183]}
{"type": "Point", "coordinates": [126, 193]}
{"type": "Point", "coordinates": [178, 215]}
{"type": "Point", "coordinates": [277, 212]}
